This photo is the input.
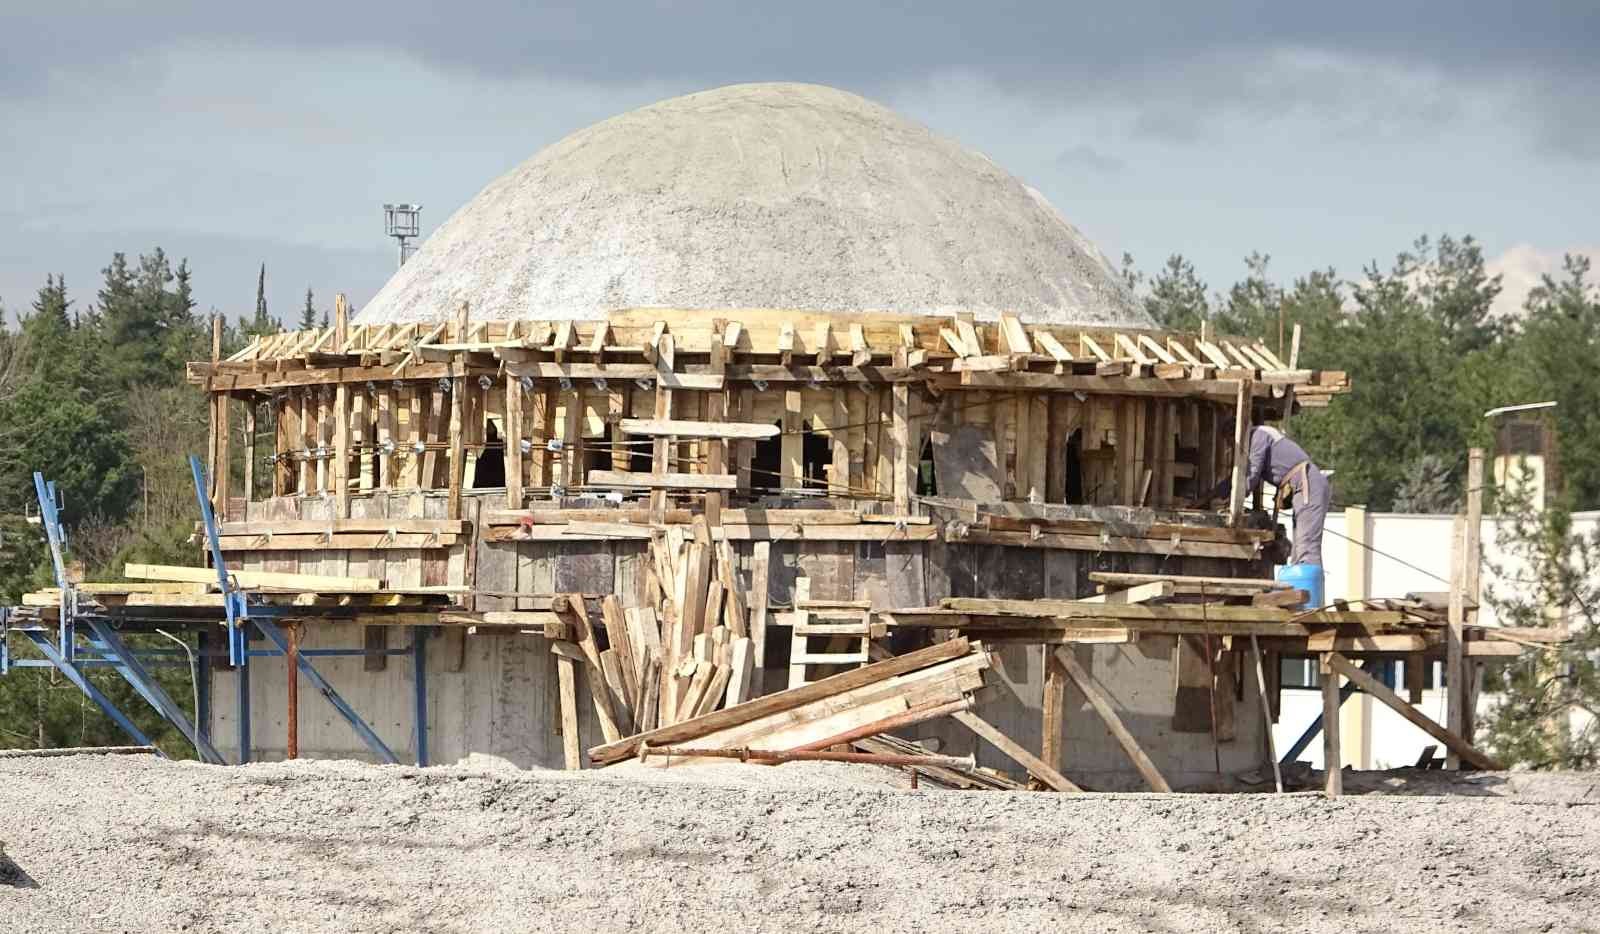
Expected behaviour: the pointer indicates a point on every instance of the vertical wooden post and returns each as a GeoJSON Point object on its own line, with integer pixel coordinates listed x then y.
{"type": "Point", "coordinates": [1266, 713]}
{"type": "Point", "coordinates": [1241, 451]}
{"type": "Point", "coordinates": [1357, 711]}
{"type": "Point", "coordinates": [341, 323]}
{"type": "Point", "coordinates": [905, 459]}
{"type": "Point", "coordinates": [341, 450]}
{"type": "Point", "coordinates": [660, 448]}
{"type": "Point", "coordinates": [1455, 663]}
{"type": "Point", "coordinates": [1055, 708]}
{"type": "Point", "coordinates": [839, 445]}
{"type": "Point", "coordinates": [1471, 585]}
{"type": "Point", "coordinates": [792, 447]}
{"type": "Point", "coordinates": [220, 501]}
{"type": "Point", "coordinates": [458, 415]}
{"type": "Point", "coordinates": [1332, 762]}
{"type": "Point", "coordinates": [249, 453]}
{"type": "Point", "coordinates": [217, 442]}
{"type": "Point", "coordinates": [513, 442]}
{"type": "Point", "coordinates": [716, 411]}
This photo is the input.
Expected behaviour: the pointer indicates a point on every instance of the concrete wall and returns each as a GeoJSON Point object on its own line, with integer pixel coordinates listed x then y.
{"type": "Point", "coordinates": [491, 694]}
{"type": "Point", "coordinates": [496, 694]}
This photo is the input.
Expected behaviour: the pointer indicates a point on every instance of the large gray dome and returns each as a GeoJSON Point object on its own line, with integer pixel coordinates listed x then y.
{"type": "Point", "coordinates": [758, 196]}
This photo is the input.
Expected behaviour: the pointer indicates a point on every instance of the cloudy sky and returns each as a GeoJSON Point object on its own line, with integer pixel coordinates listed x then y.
{"type": "Point", "coordinates": [1326, 134]}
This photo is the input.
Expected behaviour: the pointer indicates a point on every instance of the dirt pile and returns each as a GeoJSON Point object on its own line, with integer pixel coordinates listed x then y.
{"type": "Point", "coordinates": [136, 844]}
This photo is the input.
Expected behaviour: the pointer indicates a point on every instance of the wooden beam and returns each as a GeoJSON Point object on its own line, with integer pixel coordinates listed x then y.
{"type": "Point", "coordinates": [668, 481]}
{"type": "Point", "coordinates": [783, 701]}
{"type": "Point", "coordinates": [1241, 453]}
{"type": "Point", "coordinates": [1452, 741]}
{"type": "Point", "coordinates": [1141, 593]}
{"type": "Point", "coordinates": [566, 673]}
{"type": "Point", "coordinates": [1332, 757]}
{"type": "Point", "coordinates": [1053, 732]}
{"type": "Point", "coordinates": [1108, 714]}
{"type": "Point", "coordinates": [254, 579]}
{"type": "Point", "coordinates": [679, 428]}
{"type": "Point", "coordinates": [1035, 766]}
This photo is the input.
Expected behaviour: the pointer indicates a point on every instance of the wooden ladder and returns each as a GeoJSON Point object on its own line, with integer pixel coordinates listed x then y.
{"type": "Point", "coordinates": [847, 625]}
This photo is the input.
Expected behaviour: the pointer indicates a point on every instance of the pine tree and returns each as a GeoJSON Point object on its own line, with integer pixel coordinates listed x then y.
{"type": "Point", "coordinates": [308, 315]}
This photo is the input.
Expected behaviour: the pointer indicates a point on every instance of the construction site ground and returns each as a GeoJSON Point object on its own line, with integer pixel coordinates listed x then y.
{"type": "Point", "coordinates": [103, 843]}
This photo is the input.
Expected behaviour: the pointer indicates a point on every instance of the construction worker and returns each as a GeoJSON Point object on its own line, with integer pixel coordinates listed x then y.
{"type": "Point", "coordinates": [1275, 456]}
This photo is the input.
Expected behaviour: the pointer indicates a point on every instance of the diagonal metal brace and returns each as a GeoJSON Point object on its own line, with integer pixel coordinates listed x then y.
{"type": "Point", "coordinates": [145, 683]}
{"type": "Point", "coordinates": [42, 643]}
{"type": "Point", "coordinates": [1345, 690]}
{"type": "Point", "coordinates": [374, 743]}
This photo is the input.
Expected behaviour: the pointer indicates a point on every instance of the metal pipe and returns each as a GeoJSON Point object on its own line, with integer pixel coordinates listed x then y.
{"type": "Point", "coordinates": [293, 667]}
{"type": "Point", "coordinates": [965, 763]}
{"type": "Point", "coordinates": [929, 711]}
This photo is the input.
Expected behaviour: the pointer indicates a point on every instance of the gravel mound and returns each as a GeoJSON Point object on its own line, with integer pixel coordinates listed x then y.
{"type": "Point", "coordinates": [139, 844]}
{"type": "Point", "coordinates": [757, 196]}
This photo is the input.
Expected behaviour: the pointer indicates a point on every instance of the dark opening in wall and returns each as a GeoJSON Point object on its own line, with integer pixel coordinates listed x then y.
{"type": "Point", "coordinates": [1075, 466]}
{"type": "Point", "coordinates": [766, 464]}
{"type": "Point", "coordinates": [927, 480]}
{"type": "Point", "coordinates": [600, 450]}
{"type": "Point", "coordinates": [641, 453]}
{"type": "Point", "coordinates": [491, 470]}
{"type": "Point", "coordinates": [816, 453]}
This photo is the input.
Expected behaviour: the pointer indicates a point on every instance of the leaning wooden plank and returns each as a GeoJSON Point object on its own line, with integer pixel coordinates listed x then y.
{"type": "Point", "coordinates": [253, 579]}
{"type": "Point", "coordinates": [665, 481]}
{"type": "Point", "coordinates": [784, 700]}
{"type": "Point", "coordinates": [742, 654]}
{"type": "Point", "coordinates": [1377, 689]}
{"type": "Point", "coordinates": [577, 616]}
{"type": "Point", "coordinates": [611, 671]}
{"type": "Point", "coordinates": [699, 684]}
{"type": "Point", "coordinates": [714, 691]}
{"type": "Point", "coordinates": [1102, 706]}
{"type": "Point", "coordinates": [683, 428]}
{"type": "Point", "coordinates": [1032, 763]}
{"type": "Point", "coordinates": [566, 673]}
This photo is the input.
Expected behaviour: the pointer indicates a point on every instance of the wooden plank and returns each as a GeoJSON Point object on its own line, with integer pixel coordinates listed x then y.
{"type": "Point", "coordinates": [1108, 714]}
{"type": "Point", "coordinates": [1451, 740]}
{"type": "Point", "coordinates": [514, 457]}
{"type": "Point", "coordinates": [254, 579]}
{"type": "Point", "coordinates": [1241, 453]}
{"type": "Point", "coordinates": [742, 666]}
{"type": "Point", "coordinates": [1035, 766]}
{"type": "Point", "coordinates": [1053, 731]}
{"type": "Point", "coordinates": [665, 481]}
{"type": "Point", "coordinates": [760, 571]}
{"type": "Point", "coordinates": [567, 675]}
{"type": "Point", "coordinates": [791, 468]}
{"type": "Point", "coordinates": [681, 428]}
{"type": "Point", "coordinates": [783, 701]}
{"type": "Point", "coordinates": [1332, 758]}
{"type": "Point", "coordinates": [1139, 593]}
{"type": "Point", "coordinates": [458, 458]}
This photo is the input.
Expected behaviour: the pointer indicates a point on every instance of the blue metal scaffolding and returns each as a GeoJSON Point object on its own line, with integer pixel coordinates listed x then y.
{"type": "Point", "coordinates": [90, 636]}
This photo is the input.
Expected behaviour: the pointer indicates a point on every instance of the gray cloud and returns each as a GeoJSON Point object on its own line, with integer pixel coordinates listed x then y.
{"type": "Point", "coordinates": [1084, 156]}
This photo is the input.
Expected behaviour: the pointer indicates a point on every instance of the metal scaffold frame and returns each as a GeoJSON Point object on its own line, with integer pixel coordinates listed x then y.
{"type": "Point", "coordinates": [104, 645]}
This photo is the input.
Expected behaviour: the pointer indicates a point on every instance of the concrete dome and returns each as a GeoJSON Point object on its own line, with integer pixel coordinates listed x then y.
{"type": "Point", "coordinates": [758, 196]}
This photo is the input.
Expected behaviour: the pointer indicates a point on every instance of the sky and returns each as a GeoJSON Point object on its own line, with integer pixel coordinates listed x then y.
{"type": "Point", "coordinates": [1321, 134]}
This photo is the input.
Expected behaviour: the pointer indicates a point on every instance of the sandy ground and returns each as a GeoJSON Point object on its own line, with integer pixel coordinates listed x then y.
{"type": "Point", "coordinates": [136, 844]}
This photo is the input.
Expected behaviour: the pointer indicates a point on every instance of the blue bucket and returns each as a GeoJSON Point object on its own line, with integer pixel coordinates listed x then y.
{"type": "Point", "coordinates": [1307, 577]}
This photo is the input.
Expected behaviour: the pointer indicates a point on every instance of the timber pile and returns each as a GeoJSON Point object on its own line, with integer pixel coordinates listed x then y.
{"type": "Point", "coordinates": [851, 707]}
{"type": "Point", "coordinates": [689, 650]}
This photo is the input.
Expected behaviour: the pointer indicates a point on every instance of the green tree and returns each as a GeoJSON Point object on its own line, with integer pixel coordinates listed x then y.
{"type": "Point", "coordinates": [1547, 714]}
{"type": "Point", "coordinates": [308, 314]}
{"type": "Point", "coordinates": [1177, 298]}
